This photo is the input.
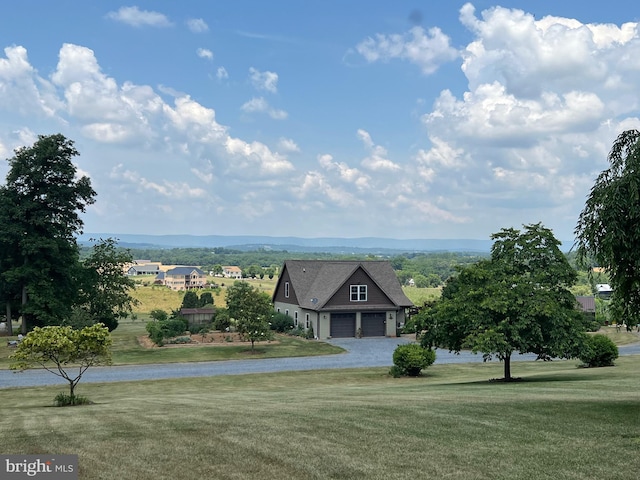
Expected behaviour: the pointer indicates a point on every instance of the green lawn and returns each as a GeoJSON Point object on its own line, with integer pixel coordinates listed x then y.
{"type": "Point", "coordinates": [562, 422]}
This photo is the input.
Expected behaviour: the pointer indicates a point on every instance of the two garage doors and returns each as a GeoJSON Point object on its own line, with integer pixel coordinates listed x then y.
{"type": "Point", "coordinates": [343, 325]}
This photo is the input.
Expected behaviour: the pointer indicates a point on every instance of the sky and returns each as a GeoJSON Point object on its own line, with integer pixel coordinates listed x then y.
{"type": "Point", "coordinates": [316, 118]}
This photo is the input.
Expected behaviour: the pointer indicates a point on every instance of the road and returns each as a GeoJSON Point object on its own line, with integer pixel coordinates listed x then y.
{"type": "Point", "coordinates": [360, 353]}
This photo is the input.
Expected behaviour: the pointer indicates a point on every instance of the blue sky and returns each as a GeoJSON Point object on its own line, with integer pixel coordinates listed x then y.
{"type": "Point", "coordinates": [325, 118]}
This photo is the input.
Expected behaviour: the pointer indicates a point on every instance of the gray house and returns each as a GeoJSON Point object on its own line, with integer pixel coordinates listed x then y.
{"type": "Point", "coordinates": [342, 298]}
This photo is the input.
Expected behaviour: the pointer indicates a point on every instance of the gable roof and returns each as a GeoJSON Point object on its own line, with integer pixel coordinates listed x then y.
{"type": "Point", "coordinates": [185, 271]}
{"type": "Point", "coordinates": [316, 281]}
{"type": "Point", "coordinates": [587, 303]}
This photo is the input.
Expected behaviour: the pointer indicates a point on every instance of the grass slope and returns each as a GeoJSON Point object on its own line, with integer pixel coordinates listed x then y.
{"type": "Point", "coordinates": [561, 423]}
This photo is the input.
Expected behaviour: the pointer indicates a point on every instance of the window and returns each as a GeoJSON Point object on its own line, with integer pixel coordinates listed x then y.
{"type": "Point", "coordinates": [358, 293]}
{"type": "Point", "coordinates": [306, 321]}
{"type": "Point", "coordinates": [286, 289]}
{"type": "Point", "coordinates": [295, 318]}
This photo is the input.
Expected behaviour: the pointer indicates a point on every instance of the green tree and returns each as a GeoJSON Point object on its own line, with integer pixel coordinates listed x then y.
{"type": "Point", "coordinates": [251, 309]}
{"type": "Point", "coordinates": [64, 351]}
{"type": "Point", "coordinates": [190, 299]}
{"type": "Point", "coordinates": [607, 232]}
{"type": "Point", "coordinates": [106, 293]}
{"type": "Point", "coordinates": [518, 300]}
{"type": "Point", "coordinates": [205, 299]}
{"type": "Point", "coordinates": [42, 199]}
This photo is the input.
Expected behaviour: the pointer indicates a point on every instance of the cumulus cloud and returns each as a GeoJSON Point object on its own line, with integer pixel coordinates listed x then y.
{"type": "Point", "coordinates": [267, 81]}
{"type": "Point", "coordinates": [288, 145]}
{"type": "Point", "coordinates": [377, 159]}
{"type": "Point", "coordinates": [260, 105]}
{"type": "Point", "coordinates": [197, 25]}
{"type": "Point", "coordinates": [345, 173]}
{"type": "Point", "coordinates": [204, 53]}
{"type": "Point", "coordinates": [427, 49]}
{"type": "Point", "coordinates": [135, 17]}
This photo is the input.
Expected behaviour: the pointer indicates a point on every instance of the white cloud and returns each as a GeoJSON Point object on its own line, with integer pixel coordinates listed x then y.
{"type": "Point", "coordinates": [377, 155]}
{"type": "Point", "coordinates": [197, 25]}
{"type": "Point", "coordinates": [135, 17]}
{"type": "Point", "coordinates": [221, 73]}
{"type": "Point", "coordinates": [428, 50]}
{"type": "Point", "coordinates": [345, 173]}
{"type": "Point", "coordinates": [204, 53]}
{"type": "Point", "coordinates": [267, 81]}
{"type": "Point", "coordinates": [260, 105]}
{"type": "Point", "coordinates": [167, 189]}
{"type": "Point", "coordinates": [288, 145]}
{"type": "Point", "coordinates": [249, 155]}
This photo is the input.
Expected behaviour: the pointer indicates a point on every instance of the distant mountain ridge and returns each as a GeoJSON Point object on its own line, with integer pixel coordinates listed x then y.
{"type": "Point", "coordinates": [293, 244]}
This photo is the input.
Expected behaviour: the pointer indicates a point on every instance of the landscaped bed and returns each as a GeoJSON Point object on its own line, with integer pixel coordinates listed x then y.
{"type": "Point", "coordinates": [210, 339]}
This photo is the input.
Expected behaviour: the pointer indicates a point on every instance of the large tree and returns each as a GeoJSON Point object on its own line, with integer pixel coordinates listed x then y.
{"type": "Point", "coordinates": [105, 288]}
{"type": "Point", "coordinates": [43, 197]}
{"type": "Point", "coordinates": [518, 300]}
{"type": "Point", "coordinates": [607, 232]}
{"type": "Point", "coordinates": [251, 309]}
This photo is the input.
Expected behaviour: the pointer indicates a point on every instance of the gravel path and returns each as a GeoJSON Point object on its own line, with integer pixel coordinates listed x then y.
{"type": "Point", "coordinates": [360, 353]}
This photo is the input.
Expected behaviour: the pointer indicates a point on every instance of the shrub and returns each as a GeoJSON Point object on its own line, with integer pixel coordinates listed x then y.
{"type": "Point", "coordinates": [598, 351]}
{"type": "Point", "coordinates": [412, 358]}
{"type": "Point", "coordinates": [64, 400]}
{"type": "Point", "coordinates": [281, 322]}
{"type": "Point", "coordinates": [222, 321]}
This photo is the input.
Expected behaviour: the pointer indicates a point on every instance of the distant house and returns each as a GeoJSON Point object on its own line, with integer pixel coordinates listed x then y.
{"type": "Point", "coordinates": [232, 271]}
{"type": "Point", "coordinates": [604, 291]}
{"type": "Point", "coordinates": [185, 278]}
{"type": "Point", "coordinates": [198, 316]}
{"type": "Point", "coordinates": [144, 269]}
{"type": "Point", "coordinates": [587, 305]}
{"type": "Point", "coordinates": [342, 298]}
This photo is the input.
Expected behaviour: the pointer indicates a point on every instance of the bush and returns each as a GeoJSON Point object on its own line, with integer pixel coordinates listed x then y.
{"type": "Point", "coordinates": [598, 351]}
{"type": "Point", "coordinates": [64, 400]}
{"type": "Point", "coordinates": [161, 330]}
{"type": "Point", "coordinates": [412, 358]}
{"type": "Point", "coordinates": [222, 320]}
{"type": "Point", "coordinates": [281, 322]}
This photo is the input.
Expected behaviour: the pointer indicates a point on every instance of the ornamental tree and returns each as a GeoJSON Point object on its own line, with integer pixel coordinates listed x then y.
{"type": "Point", "coordinates": [64, 351]}
{"type": "Point", "coordinates": [607, 232]}
{"type": "Point", "coordinates": [518, 300]}
{"type": "Point", "coordinates": [251, 309]}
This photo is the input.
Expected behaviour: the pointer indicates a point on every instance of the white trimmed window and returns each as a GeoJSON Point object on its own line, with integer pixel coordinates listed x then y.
{"type": "Point", "coordinates": [295, 318]}
{"type": "Point", "coordinates": [306, 321]}
{"type": "Point", "coordinates": [358, 293]}
{"type": "Point", "coordinates": [286, 289]}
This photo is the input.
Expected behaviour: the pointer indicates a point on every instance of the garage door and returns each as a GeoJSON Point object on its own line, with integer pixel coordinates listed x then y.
{"type": "Point", "coordinates": [343, 325]}
{"type": "Point", "coordinates": [373, 324]}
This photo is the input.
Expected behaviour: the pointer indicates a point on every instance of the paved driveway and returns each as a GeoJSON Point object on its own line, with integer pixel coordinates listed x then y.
{"type": "Point", "coordinates": [360, 353]}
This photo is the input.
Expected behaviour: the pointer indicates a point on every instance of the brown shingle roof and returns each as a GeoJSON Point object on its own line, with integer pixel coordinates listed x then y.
{"type": "Point", "coordinates": [316, 281]}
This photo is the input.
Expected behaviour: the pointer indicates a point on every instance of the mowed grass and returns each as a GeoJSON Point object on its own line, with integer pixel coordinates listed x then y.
{"type": "Point", "coordinates": [561, 422]}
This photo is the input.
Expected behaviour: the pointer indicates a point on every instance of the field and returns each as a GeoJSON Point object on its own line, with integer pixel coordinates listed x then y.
{"type": "Point", "coordinates": [562, 422]}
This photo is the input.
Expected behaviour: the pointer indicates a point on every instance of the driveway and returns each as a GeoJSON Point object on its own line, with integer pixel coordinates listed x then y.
{"type": "Point", "coordinates": [360, 353]}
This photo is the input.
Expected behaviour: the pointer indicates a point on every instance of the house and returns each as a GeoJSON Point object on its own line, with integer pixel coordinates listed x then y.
{"type": "Point", "coordinates": [144, 269]}
{"type": "Point", "coordinates": [185, 278]}
{"type": "Point", "coordinates": [342, 298]}
{"type": "Point", "coordinates": [587, 305]}
{"type": "Point", "coordinates": [232, 271]}
{"type": "Point", "coordinates": [604, 291]}
{"type": "Point", "coordinates": [198, 316]}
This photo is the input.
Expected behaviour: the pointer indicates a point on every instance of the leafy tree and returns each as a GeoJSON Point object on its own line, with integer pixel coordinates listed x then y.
{"type": "Point", "coordinates": [41, 201]}
{"type": "Point", "coordinates": [158, 314]}
{"type": "Point", "coordinates": [106, 289]}
{"type": "Point", "coordinates": [607, 232]}
{"type": "Point", "coordinates": [190, 299]}
{"type": "Point", "coordinates": [518, 300]}
{"type": "Point", "coordinates": [251, 309]}
{"type": "Point", "coordinates": [205, 299]}
{"type": "Point", "coordinates": [64, 351]}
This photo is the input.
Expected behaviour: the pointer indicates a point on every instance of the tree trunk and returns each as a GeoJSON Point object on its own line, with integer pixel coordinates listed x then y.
{"type": "Point", "coordinates": [9, 323]}
{"type": "Point", "coordinates": [24, 316]}
{"type": "Point", "coordinates": [507, 368]}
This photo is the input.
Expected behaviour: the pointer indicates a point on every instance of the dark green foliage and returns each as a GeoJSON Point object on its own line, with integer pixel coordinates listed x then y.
{"type": "Point", "coordinates": [251, 309]}
{"type": "Point", "coordinates": [281, 322]}
{"type": "Point", "coordinates": [412, 358]}
{"type": "Point", "coordinates": [159, 314]}
{"type": "Point", "coordinates": [41, 202]}
{"type": "Point", "coordinates": [206, 298]}
{"type": "Point", "coordinates": [607, 231]}
{"type": "Point", "coordinates": [190, 299]}
{"type": "Point", "coordinates": [160, 330]}
{"type": "Point", "coordinates": [222, 320]}
{"type": "Point", "coordinates": [518, 300]}
{"type": "Point", "coordinates": [598, 351]}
